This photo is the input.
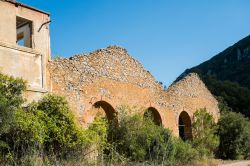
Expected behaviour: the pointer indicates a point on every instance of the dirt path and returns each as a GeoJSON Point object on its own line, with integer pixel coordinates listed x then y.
{"type": "Point", "coordinates": [238, 163]}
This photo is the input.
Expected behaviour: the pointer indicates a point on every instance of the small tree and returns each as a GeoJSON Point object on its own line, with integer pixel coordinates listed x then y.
{"type": "Point", "coordinates": [234, 132]}
{"type": "Point", "coordinates": [64, 134]}
{"type": "Point", "coordinates": [204, 128]}
{"type": "Point", "coordinates": [10, 100]}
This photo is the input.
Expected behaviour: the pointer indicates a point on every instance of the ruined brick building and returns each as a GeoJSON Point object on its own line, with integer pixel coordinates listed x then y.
{"type": "Point", "coordinates": [106, 78]}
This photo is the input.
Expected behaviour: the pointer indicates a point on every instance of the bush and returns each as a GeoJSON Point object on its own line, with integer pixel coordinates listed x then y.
{"type": "Point", "coordinates": [140, 139]}
{"type": "Point", "coordinates": [10, 100]}
{"type": "Point", "coordinates": [63, 133]}
{"type": "Point", "coordinates": [234, 132]}
{"type": "Point", "coordinates": [97, 132]}
{"type": "Point", "coordinates": [45, 130]}
{"type": "Point", "coordinates": [204, 130]}
{"type": "Point", "coordinates": [184, 153]}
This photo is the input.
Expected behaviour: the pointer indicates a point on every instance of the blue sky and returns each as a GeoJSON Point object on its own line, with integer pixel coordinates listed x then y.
{"type": "Point", "coordinates": [166, 36]}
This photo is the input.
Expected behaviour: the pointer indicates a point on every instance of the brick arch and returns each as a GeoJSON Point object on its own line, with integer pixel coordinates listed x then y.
{"type": "Point", "coordinates": [155, 115]}
{"type": "Point", "coordinates": [185, 126]}
{"type": "Point", "coordinates": [110, 112]}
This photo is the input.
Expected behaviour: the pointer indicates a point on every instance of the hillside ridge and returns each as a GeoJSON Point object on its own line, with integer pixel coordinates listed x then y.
{"type": "Point", "coordinates": [227, 75]}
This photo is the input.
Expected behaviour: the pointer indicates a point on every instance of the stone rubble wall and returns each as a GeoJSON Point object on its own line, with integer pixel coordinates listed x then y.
{"type": "Point", "coordinates": [112, 75]}
{"type": "Point", "coordinates": [189, 93]}
{"type": "Point", "coordinates": [112, 63]}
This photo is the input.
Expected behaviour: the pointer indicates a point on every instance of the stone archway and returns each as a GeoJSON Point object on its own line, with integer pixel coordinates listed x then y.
{"type": "Point", "coordinates": [154, 114]}
{"type": "Point", "coordinates": [106, 110]}
{"type": "Point", "coordinates": [185, 127]}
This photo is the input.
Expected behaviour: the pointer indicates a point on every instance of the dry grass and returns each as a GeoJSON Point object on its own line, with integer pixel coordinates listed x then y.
{"type": "Point", "coordinates": [206, 162]}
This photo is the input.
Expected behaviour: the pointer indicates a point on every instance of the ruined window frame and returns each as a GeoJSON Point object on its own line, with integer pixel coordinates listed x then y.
{"type": "Point", "coordinates": [21, 35]}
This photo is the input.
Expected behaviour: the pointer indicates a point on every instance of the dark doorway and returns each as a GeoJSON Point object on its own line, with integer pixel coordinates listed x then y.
{"type": "Point", "coordinates": [185, 128]}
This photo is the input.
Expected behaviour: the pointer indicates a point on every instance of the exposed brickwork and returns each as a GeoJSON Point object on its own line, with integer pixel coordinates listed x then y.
{"type": "Point", "coordinates": [113, 76]}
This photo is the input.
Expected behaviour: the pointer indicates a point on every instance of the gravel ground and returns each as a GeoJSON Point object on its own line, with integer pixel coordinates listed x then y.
{"type": "Point", "coordinates": [237, 163]}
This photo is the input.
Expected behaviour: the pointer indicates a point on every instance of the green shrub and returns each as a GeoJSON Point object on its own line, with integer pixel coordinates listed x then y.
{"type": "Point", "coordinates": [205, 140]}
{"type": "Point", "coordinates": [10, 100]}
{"type": "Point", "coordinates": [140, 139]}
{"type": "Point", "coordinates": [234, 132]}
{"type": "Point", "coordinates": [184, 153]}
{"type": "Point", "coordinates": [45, 131]}
{"type": "Point", "coordinates": [97, 132]}
{"type": "Point", "coordinates": [62, 130]}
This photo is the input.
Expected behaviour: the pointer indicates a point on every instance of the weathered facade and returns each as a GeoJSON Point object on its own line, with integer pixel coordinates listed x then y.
{"type": "Point", "coordinates": [25, 46]}
{"type": "Point", "coordinates": [109, 78]}
{"type": "Point", "coordinates": [106, 78]}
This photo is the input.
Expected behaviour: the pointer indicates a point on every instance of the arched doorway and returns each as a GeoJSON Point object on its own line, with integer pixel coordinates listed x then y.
{"type": "Point", "coordinates": [106, 110]}
{"type": "Point", "coordinates": [185, 128]}
{"type": "Point", "coordinates": [152, 113]}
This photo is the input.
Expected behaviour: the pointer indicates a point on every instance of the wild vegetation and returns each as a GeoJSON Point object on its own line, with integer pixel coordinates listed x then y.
{"type": "Point", "coordinates": [47, 133]}
{"type": "Point", "coordinates": [36, 132]}
{"type": "Point", "coordinates": [234, 132]}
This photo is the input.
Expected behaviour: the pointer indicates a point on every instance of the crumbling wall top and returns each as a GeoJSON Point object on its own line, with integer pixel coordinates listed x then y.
{"type": "Point", "coordinates": [113, 63]}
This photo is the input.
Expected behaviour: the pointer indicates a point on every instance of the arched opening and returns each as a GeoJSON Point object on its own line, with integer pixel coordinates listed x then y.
{"type": "Point", "coordinates": [105, 110]}
{"type": "Point", "coordinates": [185, 128]}
{"type": "Point", "coordinates": [152, 113]}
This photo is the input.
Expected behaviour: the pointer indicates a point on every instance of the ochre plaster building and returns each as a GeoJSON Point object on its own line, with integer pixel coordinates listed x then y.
{"type": "Point", "coordinates": [25, 45]}
{"type": "Point", "coordinates": [102, 80]}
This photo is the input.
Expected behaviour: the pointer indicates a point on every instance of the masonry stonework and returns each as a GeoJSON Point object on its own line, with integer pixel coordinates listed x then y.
{"type": "Point", "coordinates": [113, 77]}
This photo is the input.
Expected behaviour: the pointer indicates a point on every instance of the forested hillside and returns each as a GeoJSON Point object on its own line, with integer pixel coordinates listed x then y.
{"type": "Point", "coordinates": [227, 75]}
